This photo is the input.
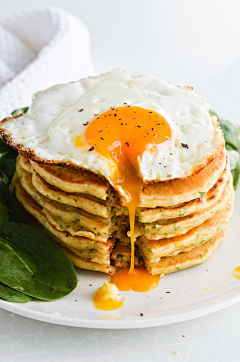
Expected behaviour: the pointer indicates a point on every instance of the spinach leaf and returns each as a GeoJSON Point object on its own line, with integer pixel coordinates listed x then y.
{"type": "Point", "coordinates": [7, 158]}
{"type": "Point", "coordinates": [3, 213]}
{"type": "Point", "coordinates": [236, 175]}
{"type": "Point", "coordinates": [3, 178]}
{"type": "Point", "coordinates": [33, 264]}
{"type": "Point", "coordinates": [12, 295]}
{"type": "Point", "coordinates": [19, 111]}
{"type": "Point", "coordinates": [35, 95]}
{"type": "Point", "coordinates": [234, 157]}
{"type": "Point", "coordinates": [5, 203]}
{"type": "Point", "coordinates": [16, 213]}
{"type": "Point", "coordinates": [231, 133]}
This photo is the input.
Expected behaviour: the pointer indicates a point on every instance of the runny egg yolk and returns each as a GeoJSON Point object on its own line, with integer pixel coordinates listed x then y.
{"type": "Point", "coordinates": [122, 135]}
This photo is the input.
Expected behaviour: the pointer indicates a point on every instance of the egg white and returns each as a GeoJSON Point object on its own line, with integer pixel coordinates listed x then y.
{"type": "Point", "coordinates": [59, 114]}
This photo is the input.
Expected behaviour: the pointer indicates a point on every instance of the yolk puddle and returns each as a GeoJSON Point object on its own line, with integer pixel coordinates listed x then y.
{"type": "Point", "coordinates": [139, 281]}
{"type": "Point", "coordinates": [122, 135]}
{"type": "Point", "coordinates": [107, 297]}
{"type": "Point", "coordinates": [236, 272]}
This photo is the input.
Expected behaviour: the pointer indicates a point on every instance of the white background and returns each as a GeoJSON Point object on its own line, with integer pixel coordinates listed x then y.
{"type": "Point", "coordinates": [188, 42]}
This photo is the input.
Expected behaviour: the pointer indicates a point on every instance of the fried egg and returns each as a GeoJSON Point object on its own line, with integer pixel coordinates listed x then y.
{"type": "Point", "coordinates": [171, 135]}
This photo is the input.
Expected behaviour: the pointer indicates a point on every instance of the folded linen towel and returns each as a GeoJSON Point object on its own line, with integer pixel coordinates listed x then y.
{"type": "Point", "coordinates": [40, 48]}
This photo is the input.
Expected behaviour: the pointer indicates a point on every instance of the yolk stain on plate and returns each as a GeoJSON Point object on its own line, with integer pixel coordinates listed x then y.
{"type": "Point", "coordinates": [236, 272]}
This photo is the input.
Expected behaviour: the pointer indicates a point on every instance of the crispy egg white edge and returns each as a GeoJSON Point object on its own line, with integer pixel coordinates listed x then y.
{"type": "Point", "coordinates": [54, 120]}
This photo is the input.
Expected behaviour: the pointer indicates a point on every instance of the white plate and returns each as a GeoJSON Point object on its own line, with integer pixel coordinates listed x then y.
{"type": "Point", "coordinates": [188, 297]}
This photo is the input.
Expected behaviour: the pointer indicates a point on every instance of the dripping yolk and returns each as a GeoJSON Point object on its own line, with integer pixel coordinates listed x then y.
{"type": "Point", "coordinates": [121, 135]}
{"type": "Point", "coordinates": [107, 297]}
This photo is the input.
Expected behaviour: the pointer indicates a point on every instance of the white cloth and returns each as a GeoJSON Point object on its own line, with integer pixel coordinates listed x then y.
{"type": "Point", "coordinates": [40, 48]}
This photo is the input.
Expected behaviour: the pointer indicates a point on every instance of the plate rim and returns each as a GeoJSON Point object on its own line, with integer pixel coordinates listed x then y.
{"type": "Point", "coordinates": [119, 324]}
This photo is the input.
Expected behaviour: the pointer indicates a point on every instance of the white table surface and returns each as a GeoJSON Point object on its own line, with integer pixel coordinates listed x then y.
{"type": "Point", "coordinates": [215, 337]}
{"type": "Point", "coordinates": [134, 36]}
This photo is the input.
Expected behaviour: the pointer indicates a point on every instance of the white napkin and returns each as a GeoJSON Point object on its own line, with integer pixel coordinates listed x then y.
{"type": "Point", "coordinates": [40, 48]}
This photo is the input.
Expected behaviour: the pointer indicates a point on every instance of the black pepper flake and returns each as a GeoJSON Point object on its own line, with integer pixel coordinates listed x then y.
{"type": "Point", "coordinates": [153, 129]}
{"type": "Point", "coordinates": [102, 138]}
{"type": "Point", "coordinates": [95, 114]}
{"type": "Point", "coordinates": [158, 124]}
{"type": "Point", "coordinates": [90, 285]}
{"type": "Point", "coordinates": [184, 145]}
{"type": "Point", "coordinates": [115, 114]}
{"type": "Point", "coordinates": [124, 103]}
{"type": "Point", "coordinates": [75, 300]}
{"type": "Point", "coordinates": [85, 124]}
{"type": "Point", "coordinates": [141, 314]}
{"type": "Point", "coordinates": [149, 112]}
{"type": "Point", "coordinates": [121, 124]}
{"type": "Point", "coordinates": [138, 126]}
{"type": "Point", "coordinates": [80, 110]}
{"type": "Point", "coordinates": [127, 144]}
{"type": "Point", "coordinates": [91, 148]}
{"type": "Point", "coordinates": [99, 130]}
{"type": "Point", "coordinates": [120, 119]}
{"type": "Point", "coordinates": [112, 108]}
{"type": "Point", "coordinates": [167, 292]}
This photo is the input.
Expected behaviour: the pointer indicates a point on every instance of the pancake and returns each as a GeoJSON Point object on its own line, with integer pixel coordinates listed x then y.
{"type": "Point", "coordinates": [74, 181]}
{"type": "Point", "coordinates": [25, 163]}
{"type": "Point", "coordinates": [121, 255]}
{"type": "Point", "coordinates": [201, 203]}
{"type": "Point", "coordinates": [153, 250]}
{"type": "Point", "coordinates": [88, 203]}
{"type": "Point", "coordinates": [86, 264]}
{"type": "Point", "coordinates": [188, 259]}
{"type": "Point", "coordinates": [181, 225]}
{"type": "Point", "coordinates": [180, 190]}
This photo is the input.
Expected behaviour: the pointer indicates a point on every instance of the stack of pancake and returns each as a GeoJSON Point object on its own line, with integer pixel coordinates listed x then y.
{"type": "Point", "coordinates": [95, 148]}
{"type": "Point", "coordinates": [179, 223]}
